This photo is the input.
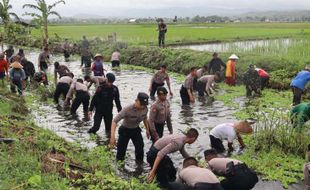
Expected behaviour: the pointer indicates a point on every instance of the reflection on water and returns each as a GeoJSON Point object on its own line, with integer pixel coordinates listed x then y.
{"type": "Point", "coordinates": [203, 115]}
{"type": "Point", "coordinates": [240, 45]}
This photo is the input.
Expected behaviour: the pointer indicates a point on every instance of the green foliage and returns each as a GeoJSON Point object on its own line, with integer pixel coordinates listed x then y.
{"type": "Point", "coordinates": [273, 165]}
{"type": "Point", "coordinates": [34, 181]}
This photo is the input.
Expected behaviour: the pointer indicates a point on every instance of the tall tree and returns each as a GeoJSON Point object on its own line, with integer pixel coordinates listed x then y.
{"type": "Point", "coordinates": [5, 12]}
{"type": "Point", "coordinates": [44, 11]}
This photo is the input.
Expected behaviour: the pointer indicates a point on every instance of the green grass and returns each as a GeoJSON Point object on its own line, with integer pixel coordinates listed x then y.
{"type": "Point", "coordinates": [270, 100]}
{"type": "Point", "coordinates": [180, 33]}
{"type": "Point", "coordinates": [21, 163]}
{"type": "Point", "coordinates": [273, 165]}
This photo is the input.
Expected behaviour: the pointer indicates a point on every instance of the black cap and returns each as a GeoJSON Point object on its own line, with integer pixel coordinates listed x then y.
{"type": "Point", "coordinates": [143, 98]}
{"type": "Point", "coordinates": [161, 90]}
{"type": "Point", "coordinates": [110, 77]}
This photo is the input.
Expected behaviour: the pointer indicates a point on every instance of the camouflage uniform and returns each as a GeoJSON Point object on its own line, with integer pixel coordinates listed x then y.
{"type": "Point", "coordinates": [251, 80]}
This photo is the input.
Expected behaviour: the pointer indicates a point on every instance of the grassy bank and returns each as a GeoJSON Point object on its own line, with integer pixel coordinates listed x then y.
{"type": "Point", "coordinates": [39, 159]}
{"type": "Point", "coordinates": [276, 150]}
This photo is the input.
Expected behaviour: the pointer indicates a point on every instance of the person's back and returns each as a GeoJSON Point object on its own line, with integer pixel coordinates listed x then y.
{"type": "Point", "coordinates": [194, 174]}
{"type": "Point", "coordinates": [215, 65]}
{"type": "Point", "coordinates": [62, 70]}
{"type": "Point", "coordinates": [98, 68]}
{"type": "Point", "coordinates": [300, 114]}
{"type": "Point", "coordinates": [262, 72]}
{"type": "Point", "coordinates": [224, 131]}
{"type": "Point", "coordinates": [106, 95]}
{"type": "Point", "coordinates": [251, 78]}
{"type": "Point", "coordinates": [85, 44]}
{"type": "Point", "coordinates": [16, 74]}
{"type": "Point", "coordinates": [302, 78]}
{"type": "Point", "coordinates": [164, 141]}
{"type": "Point", "coordinates": [28, 68]}
{"type": "Point", "coordinates": [116, 56]}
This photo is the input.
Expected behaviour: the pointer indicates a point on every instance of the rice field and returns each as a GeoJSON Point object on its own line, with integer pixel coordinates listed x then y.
{"type": "Point", "coordinates": [146, 34]}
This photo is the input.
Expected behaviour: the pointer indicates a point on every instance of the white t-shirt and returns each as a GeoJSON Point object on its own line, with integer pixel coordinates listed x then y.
{"type": "Point", "coordinates": [224, 131]}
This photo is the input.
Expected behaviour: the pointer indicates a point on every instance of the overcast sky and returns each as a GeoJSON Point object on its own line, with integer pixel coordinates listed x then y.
{"type": "Point", "coordinates": [114, 8]}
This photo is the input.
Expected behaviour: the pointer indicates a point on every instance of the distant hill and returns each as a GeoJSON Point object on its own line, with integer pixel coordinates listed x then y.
{"type": "Point", "coordinates": [294, 15]}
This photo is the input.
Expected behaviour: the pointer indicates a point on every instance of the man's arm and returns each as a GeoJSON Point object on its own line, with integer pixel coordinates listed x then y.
{"type": "Point", "coordinates": [230, 147]}
{"type": "Point", "coordinates": [151, 120]}
{"type": "Point", "coordinates": [151, 176]}
{"type": "Point", "coordinates": [67, 69]}
{"type": "Point", "coordinates": [169, 86]}
{"type": "Point", "coordinates": [191, 97]}
{"type": "Point", "coordinates": [119, 116]}
{"type": "Point", "coordinates": [147, 129]}
{"type": "Point", "coordinates": [39, 60]}
{"type": "Point", "coordinates": [240, 140]}
{"type": "Point", "coordinates": [117, 100]}
{"type": "Point", "coordinates": [184, 153]}
{"type": "Point", "coordinates": [70, 92]}
{"type": "Point", "coordinates": [171, 147]}
{"type": "Point", "coordinates": [222, 64]}
{"type": "Point", "coordinates": [55, 76]}
{"type": "Point", "coordinates": [152, 80]}
{"type": "Point", "coordinates": [93, 102]}
{"type": "Point", "coordinates": [169, 123]}
{"type": "Point", "coordinates": [113, 128]}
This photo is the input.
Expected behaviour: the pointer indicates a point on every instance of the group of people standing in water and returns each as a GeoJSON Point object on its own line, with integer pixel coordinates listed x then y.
{"type": "Point", "coordinates": [236, 174]}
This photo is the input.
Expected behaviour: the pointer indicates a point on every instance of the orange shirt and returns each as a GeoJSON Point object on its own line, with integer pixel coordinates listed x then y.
{"type": "Point", "coordinates": [230, 69]}
{"type": "Point", "coordinates": [4, 66]}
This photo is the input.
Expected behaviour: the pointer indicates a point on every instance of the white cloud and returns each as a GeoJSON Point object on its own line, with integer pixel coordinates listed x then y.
{"type": "Point", "coordinates": [108, 7]}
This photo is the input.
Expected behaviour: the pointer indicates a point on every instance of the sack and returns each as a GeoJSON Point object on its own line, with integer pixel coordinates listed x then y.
{"type": "Point", "coordinates": [17, 75]}
{"type": "Point", "coordinates": [98, 68]}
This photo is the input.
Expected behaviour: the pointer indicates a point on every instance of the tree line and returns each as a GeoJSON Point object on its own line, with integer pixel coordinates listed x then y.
{"type": "Point", "coordinates": [41, 11]}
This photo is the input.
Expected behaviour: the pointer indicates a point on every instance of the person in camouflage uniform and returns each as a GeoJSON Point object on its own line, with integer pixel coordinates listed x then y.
{"type": "Point", "coordinates": [252, 81]}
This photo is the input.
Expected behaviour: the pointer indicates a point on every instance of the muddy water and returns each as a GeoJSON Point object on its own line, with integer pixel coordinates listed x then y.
{"type": "Point", "coordinates": [203, 115]}
{"type": "Point", "coordinates": [240, 45]}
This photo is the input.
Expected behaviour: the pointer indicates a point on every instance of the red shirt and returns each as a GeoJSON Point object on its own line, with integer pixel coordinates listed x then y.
{"type": "Point", "coordinates": [4, 66]}
{"type": "Point", "coordinates": [262, 73]}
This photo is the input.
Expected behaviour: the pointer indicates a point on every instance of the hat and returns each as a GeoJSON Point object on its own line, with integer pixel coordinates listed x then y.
{"type": "Point", "coordinates": [243, 127]}
{"type": "Point", "coordinates": [98, 55]}
{"type": "Point", "coordinates": [307, 68]}
{"type": "Point", "coordinates": [16, 65]}
{"type": "Point", "coordinates": [110, 77]}
{"type": "Point", "coordinates": [161, 90]}
{"type": "Point", "coordinates": [233, 56]}
{"type": "Point", "coordinates": [143, 98]}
